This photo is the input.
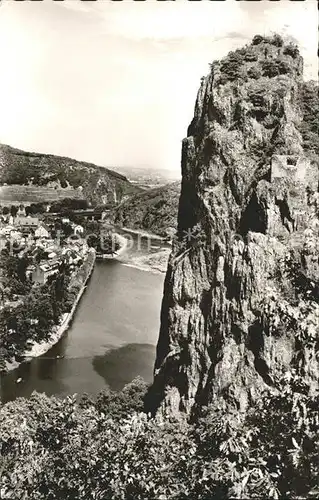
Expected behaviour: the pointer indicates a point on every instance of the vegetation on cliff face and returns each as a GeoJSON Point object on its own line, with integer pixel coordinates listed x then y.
{"type": "Point", "coordinates": [96, 184]}
{"type": "Point", "coordinates": [154, 210]}
{"type": "Point", "coordinates": [309, 126]}
{"type": "Point", "coordinates": [265, 57]}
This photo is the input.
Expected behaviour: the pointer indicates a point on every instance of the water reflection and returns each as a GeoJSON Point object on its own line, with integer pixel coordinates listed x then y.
{"type": "Point", "coordinates": [38, 375]}
{"type": "Point", "coordinates": [111, 340]}
{"type": "Point", "coordinates": [120, 366]}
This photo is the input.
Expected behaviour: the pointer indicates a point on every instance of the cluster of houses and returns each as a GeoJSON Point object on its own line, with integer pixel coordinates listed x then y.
{"type": "Point", "coordinates": [72, 255]}
{"type": "Point", "coordinates": [33, 236]}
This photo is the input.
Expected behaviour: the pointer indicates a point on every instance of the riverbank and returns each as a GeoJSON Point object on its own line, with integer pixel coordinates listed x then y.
{"type": "Point", "coordinates": [123, 245]}
{"type": "Point", "coordinates": [123, 242]}
{"type": "Point", "coordinates": [155, 262]}
{"type": "Point", "coordinates": [39, 348]}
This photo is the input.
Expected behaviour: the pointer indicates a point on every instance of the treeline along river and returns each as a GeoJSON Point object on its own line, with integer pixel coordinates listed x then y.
{"type": "Point", "coordinates": [111, 340]}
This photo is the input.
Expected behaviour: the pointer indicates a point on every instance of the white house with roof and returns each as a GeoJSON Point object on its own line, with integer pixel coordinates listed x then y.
{"type": "Point", "coordinates": [42, 231]}
{"type": "Point", "coordinates": [44, 270]}
{"type": "Point", "coordinates": [78, 229]}
{"type": "Point", "coordinates": [28, 222]}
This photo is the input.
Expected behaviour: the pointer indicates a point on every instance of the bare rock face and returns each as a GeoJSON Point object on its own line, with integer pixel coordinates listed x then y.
{"type": "Point", "coordinates": [240, 309]}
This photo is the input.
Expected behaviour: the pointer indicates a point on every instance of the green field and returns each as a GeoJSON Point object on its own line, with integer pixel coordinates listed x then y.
{"type": "Point", "coordinates": [33, 194]}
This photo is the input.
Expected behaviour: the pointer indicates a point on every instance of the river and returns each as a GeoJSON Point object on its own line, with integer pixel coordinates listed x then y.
{"type": "Point", "coordinates": [111, 340]}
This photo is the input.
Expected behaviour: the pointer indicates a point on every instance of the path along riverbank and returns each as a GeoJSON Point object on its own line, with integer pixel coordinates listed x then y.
{"type": "Point", "coordinates": [155, 263]}
{"type": "Point", "coordinates": [40, 348]}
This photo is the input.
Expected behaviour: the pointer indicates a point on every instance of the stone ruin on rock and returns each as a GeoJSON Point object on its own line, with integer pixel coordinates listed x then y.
{"type": "Point", "coordinates": [291, 167]}
{"type": "Point", "coordinates": [292, 177]}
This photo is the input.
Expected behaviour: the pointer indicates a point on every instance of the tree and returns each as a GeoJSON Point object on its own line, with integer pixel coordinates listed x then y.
{"type": "Point", "coordinates": [14, 210]}
{"type": "Point", "coordinates": [66, 229]}
{"type": "Point", "coordinates": [231, 66]}
{"type": "Point", "coordinates": [276, 67]}
{"type": "Point", "coordinates": [121, 404]}
{"type": "Point", "coordinates": [291, 50]}
{"type": "Point", "coordinates": [258, 39]}
{"type": "Point", "coordinates": [22, 264]}
{"type": "Point", "coordinates": [62, 449]}
{"type": "Point", "coordinates": [277, 40]}
{"type": "Point", "coordinates": [310, 108]}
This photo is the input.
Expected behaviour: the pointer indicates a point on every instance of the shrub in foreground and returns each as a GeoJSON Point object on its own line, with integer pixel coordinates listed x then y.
{"type": "Point", "coordinates": [52, 449]}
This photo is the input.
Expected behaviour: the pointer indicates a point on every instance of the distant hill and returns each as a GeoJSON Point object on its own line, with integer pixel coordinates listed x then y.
{"type": "Point", "coordinates": [95, 183]}
{"type": "Point", "coordinates": [154, 210]}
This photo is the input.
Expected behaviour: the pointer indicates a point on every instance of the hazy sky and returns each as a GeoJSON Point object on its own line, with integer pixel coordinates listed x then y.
{"type": "Point", "coordinates": [115, 82]}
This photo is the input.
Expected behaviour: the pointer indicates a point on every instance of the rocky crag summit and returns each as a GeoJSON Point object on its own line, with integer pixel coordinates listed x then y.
{"type": "Point", "coordinates": [240, 311]}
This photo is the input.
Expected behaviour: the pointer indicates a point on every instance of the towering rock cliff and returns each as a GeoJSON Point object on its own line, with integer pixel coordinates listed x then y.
{"type": "Point", "coordinates": [240, 309]}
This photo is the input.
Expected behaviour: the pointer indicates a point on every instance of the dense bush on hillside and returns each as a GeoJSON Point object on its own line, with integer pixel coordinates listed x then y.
{"type": "Point", "coordinates": [154, 210]}
{"type": "Point", "coordinates": [254, 73]}
{"type": "Point", "coordinates": [108, 448]}
{"type": "Point", "coordinates": [64, 206]}
{"type": "Point", "coordinates": [291, 50]}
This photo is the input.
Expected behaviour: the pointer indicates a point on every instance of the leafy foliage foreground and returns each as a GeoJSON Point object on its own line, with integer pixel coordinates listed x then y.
{"type": "Point", "coordinates": [108, 448]}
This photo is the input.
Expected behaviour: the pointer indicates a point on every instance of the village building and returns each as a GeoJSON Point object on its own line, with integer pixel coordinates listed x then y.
{"type": "Point", "coordinates": [21, 211]}
{"type": "Point", "coordinates": [31, 222]}
{"type": "Point", "coordinates": [29, 271]}
{"type": "Point", "coordinates": [3, 242]}
{"type": "Point", "coordinates": [78, 229]}
{"type": "Point", "coordinates": [45, 270]}
{"type": "Point", "coordinates": [42, 231]}
{"type": "Point", "coordinates": [26, 225]}
{"type": "Point", "coordinates": [290, 174]}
